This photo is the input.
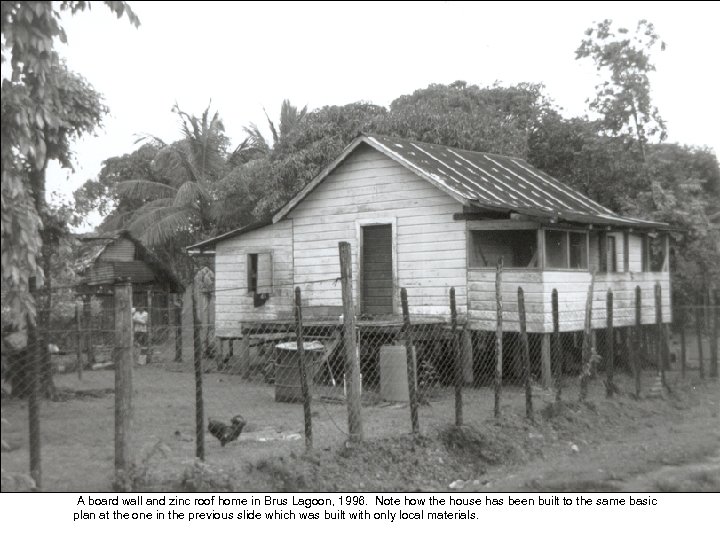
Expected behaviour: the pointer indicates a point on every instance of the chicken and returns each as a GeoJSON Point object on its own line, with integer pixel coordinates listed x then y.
{"type": "Point", "coordinates": [225, 433]}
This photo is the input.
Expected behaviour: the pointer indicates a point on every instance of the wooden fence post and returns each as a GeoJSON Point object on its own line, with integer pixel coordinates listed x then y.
{"type": "Point", "coordinates": [458, 361]}
{"type": "Point", "coordinates": [498, 336]}
{"type": "Point", "coordinates": [681, 320]}
{"type": "Point", "coordinates": [637, 357]}
{"type": "Point", "coordinates": [525, 352]}
{"type": "Point", "coordinates": [206, 324]}
{"type": "Point", "coordinates": [557, 350]}
{"type": "Point", "coordinates": [411, 368]}
{"type": "Point", "coordinates": [198, 365]}
{"type": "Point", "coordinates": [660, 333]}
{"type": "Point", "coordinates": [178, 308]}
{"type": "Point", "coordinates": [87, 324]}
{"type": "Point", "coordinates": [148, 352]}
{"type": "Point", "coordinates": [78, 341]}
{"type": "Point", "coordinates": [245, 352]}
{"type": "Point", "coordinates": [587, 344]}
{"type": "Point", "coordinates": [123, 377]}
{"type": "Point", "coordinates": [610, 366]}
{"type": "Point", "coordinates": [699, 329]}
{"type": "Point", "coordinates": [352, 362]}
{"type": "Point", "coordinates": [714, 335]}
{"type": "Point", "coordinates": [307, 395]}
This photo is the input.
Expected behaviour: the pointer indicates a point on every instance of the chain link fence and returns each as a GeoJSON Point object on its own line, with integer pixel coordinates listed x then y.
{"type": "Point", "coordinates": [119, 394]}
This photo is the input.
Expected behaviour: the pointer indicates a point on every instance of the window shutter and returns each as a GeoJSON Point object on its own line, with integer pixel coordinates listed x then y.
{"type": "Point", "coordinates": [264, 273]}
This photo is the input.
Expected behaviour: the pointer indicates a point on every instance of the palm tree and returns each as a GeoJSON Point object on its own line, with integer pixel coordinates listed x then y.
{"type": "Point", "coordinates": [179, 201]}
{"type": "Point", "coordinates": [290, 117]}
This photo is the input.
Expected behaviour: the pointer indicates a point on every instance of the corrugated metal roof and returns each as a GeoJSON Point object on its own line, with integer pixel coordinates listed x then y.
{"type": "Point", "coordinates": [484, 180]}
{"type": "Point", "coordinates": [91, 248]}
{"type": "Point", "coordinates": [498, 182]}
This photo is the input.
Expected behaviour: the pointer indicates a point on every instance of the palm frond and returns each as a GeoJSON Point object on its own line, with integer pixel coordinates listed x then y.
{"type": "Point", "coordinates": [168, 225]}
{"type": "Point", "coordinates": [162, 224]}
{"type": "Point", "coordinates": [147, 137]}
{"type": "Point", "coordinates": [256, 139]}
{"type": "Point", "coordinates": [191, 194]}
{"type": "Point", "coordinates": [144, 189]}
{"type": "Point", "coordinates": [276, 137]}
{"type": "Point", "coordinates": [290, 117]}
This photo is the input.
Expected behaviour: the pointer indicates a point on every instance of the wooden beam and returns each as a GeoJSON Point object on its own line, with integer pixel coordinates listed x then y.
{"type": "Point", "coordinates": [502, 224]}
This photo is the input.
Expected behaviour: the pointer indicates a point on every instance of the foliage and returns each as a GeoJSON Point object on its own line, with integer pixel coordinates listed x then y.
{"type": "Point", "coordinates": [43, 107]}
{"type": "Point", "coordinates": [623, 97]}
{"type": "Point", "coordinates": [176, 200]}
{"type": "Point", "coordinates": [493, 119]}
{"type": "Point", "coordinates": [290, 118]}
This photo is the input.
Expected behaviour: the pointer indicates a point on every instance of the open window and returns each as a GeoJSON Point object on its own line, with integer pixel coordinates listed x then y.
{"type": "Point", "coordinates": [518, 248]}
{"type": "Point", "coordinates": [566, 250]}
{"type": "Point", "coordinates": [657, 253]}
{"type": "Point", "coordinates": [259, 273]}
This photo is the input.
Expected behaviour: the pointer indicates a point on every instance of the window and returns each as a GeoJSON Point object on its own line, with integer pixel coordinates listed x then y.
{"type": "Point", "coordinates": [611, 254]}
{"type": "Point", "coordinates": [564, 249]}
{"type": "Point", "coordinates": [518, 248]}
{"type": "Point", "coordinates": [578, 250]}
{"type": "Point", "coordinates": [657, 253]}
{"type": "Point", "coordinates": [556, 248]}
{"type": "Point", "coordinates": [259, 273]}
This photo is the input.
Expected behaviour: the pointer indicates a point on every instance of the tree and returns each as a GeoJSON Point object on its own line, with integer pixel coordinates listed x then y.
{"type": "Point", "coordinates": [491, 119]}
{"type": "Point", "coordinates": [38, 123]}
{"type": "Point", "coordinates": [623, 97]}
{"type": "Point", "coordinates": [290, 118]}
{"type": "Point", "coordinates": [180, 205]}
{"type": "Point", "coordinates": [100, 194]}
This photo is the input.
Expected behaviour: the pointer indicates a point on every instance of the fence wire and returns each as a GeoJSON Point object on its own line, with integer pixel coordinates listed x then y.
{"type": "Point", "coordinates": [229, 397]}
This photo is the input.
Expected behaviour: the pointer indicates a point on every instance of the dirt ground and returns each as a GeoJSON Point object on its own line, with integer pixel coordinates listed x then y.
{"type": "Point", "coordinates": [663, 443]}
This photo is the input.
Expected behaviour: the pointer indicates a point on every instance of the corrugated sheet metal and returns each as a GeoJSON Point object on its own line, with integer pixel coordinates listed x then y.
{"type": "Point", "coordinates": [98, 254]}
{"type": "Point", "coordinates": [484, 180]}
{"type": "Point", "coordinates": [501, 182]}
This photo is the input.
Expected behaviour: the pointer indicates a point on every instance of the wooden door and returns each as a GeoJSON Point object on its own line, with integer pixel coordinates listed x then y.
{"type": "Point", "coordinates": [377, 270]}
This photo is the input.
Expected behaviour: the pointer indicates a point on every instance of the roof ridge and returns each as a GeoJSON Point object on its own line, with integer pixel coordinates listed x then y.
{"type": "Point", "coordinates": [415, 141]}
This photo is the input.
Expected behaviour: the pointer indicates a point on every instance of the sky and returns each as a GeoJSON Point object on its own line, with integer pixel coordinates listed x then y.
{"type": "Point", "coordinates": [248, 56]}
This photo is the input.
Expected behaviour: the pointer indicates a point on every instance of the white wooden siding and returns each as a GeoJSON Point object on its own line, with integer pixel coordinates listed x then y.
{"type": "Point", "coordinates": [370, 187]}
{"type": "Point", "coordinates": [482, 310]}
{"type": "Point", "coordinates": [233, 304]}
{"type": "Point", "coordinates": [572, 294]}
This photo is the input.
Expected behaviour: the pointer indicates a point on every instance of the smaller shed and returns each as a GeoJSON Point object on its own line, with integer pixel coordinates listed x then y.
{"type": "Point", "coordinates": [104, 260]}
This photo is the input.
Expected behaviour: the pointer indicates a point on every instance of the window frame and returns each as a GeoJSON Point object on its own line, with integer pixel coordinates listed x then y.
{"type": "Point", "coordinates": [250, 278]}
{"type": "Point", "coordinates": [502, 226]}
{"type": "Point", "coordinates": [568, 231]}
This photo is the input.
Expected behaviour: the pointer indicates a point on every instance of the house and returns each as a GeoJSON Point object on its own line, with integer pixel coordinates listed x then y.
{"type": "Point", "coordinates": [103, 260]}
{"type": "Point", "coordinates": [427, 218]}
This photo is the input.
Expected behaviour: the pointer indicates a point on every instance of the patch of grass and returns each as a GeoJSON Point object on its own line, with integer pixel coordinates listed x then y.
{"type": "Point", "coordinates": [696, 481]}
{"type": "Point", "coordinates": [470, 444]}
{"type": "Point", "coordinates": [282, 475]}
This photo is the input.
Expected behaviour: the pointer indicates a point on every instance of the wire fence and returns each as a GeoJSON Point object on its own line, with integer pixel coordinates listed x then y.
{"type": "Point", "coordinates": [122, 389]}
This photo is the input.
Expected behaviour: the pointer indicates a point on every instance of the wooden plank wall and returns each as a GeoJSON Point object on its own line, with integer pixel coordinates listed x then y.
{"type": "Point", "coordinates": [430, 244]}
{"type": "Point", "coordinates": [236, 305]}
{"type": "Point", "coordinates": [482, 303]}
{"type": "Point", "coordinates": [572, 289]}
{"type": "Point", "coordinates": [121, 249]}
